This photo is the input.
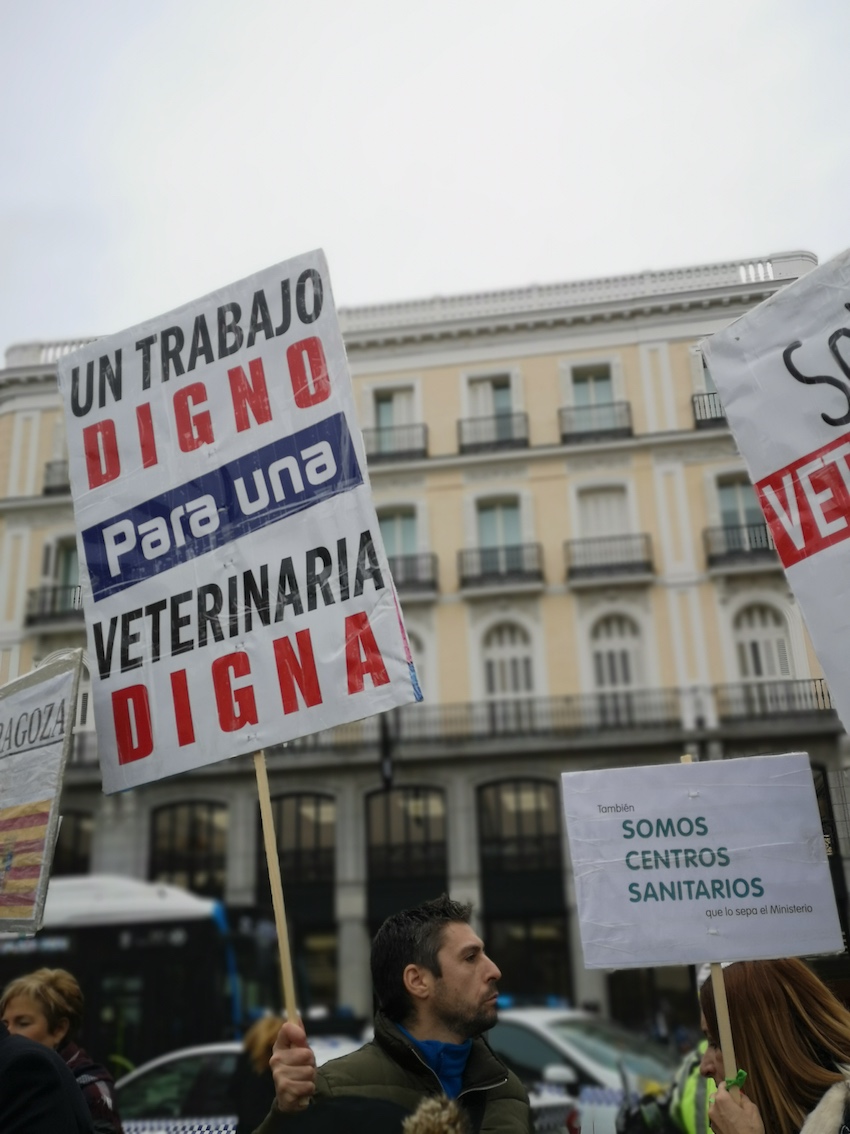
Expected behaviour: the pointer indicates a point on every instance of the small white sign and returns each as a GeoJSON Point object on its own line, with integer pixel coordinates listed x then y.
{"type": "Point", "coordinates": [677, 864]}
{"type": "Point", "coordinates": [36, 722]}
{"type": "Point", "coordinates": [783, 375]}
{"type": "Point", "coordinates": [235, 586]}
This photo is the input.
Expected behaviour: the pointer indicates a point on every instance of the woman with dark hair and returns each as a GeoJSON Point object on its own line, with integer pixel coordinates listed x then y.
{"type": "Point", "coordinates": [792, 1037]}
{"type": "Point", "coordinates": [47, 1006]}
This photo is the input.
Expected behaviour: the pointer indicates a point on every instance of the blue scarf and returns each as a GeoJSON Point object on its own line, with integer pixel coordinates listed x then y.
{"type": "Point", "coordinates": [446, 1060]}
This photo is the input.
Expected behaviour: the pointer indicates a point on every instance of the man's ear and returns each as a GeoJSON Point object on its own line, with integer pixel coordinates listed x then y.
{"type": "Point", "coordinates": [418, 981]}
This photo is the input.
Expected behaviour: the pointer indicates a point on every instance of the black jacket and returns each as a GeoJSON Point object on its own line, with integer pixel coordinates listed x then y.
{"type": "Point", "coordinates": [38, 1094]}
{"type": "Point", "coordinates": [390, 1068]}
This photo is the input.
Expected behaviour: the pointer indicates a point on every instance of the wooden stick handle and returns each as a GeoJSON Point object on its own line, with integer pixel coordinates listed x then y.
{"type": "Point", "coordinates": [273, 864]}
{"type": "Point", "coordinates": [724, 1027]}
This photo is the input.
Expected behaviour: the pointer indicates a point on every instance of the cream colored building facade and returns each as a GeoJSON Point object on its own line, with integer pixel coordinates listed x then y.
{"type": "Point", "coordinates": [586, 580]}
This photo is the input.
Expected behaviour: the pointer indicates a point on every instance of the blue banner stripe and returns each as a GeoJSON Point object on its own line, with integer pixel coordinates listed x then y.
{"type": "Point", "coordinates": [280, 479]}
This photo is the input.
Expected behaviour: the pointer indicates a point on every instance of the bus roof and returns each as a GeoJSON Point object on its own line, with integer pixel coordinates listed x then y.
{"type": "Point", "coordinates": [110, 899]}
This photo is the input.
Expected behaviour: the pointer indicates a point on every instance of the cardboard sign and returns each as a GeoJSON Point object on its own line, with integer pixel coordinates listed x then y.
{"type": "Point", "coordinates": [36, 722]}
{"type": "Point", "coordinates": [235, 585]}
{"type": "Point", "coordinates": [677, 864]}
{"type": "Point", "coordinates": [783, 375]}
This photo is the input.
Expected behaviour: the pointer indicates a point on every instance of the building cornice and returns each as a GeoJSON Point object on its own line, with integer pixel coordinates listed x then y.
{"type": "Point", "coordinates": [577, 302]}
{"type": "Point", "coordinates": [728, 284]}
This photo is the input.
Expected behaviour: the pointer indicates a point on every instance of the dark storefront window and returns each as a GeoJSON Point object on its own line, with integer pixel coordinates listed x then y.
{"type": "Point", "coordinates": [406, 833]}
{"type": "Point", "coordinates": [189, 845]}
{"type": "Point", "coordinates": [305, 830]}
{"type": "Point", "coordinates": [73, 846]}
{"type": "Point", "coordinates": [522, 886]}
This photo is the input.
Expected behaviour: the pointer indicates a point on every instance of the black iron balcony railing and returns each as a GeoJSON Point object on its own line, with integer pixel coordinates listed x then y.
{"type": "Point", "coordinates": [608, 421]}
{"type": "Point", "coordinates": [583, 714]}
{"type": "Point", "coordinates": [595, 423]}
{"type": "Point", "coordinates": [396, 442]}
{"type": "Point", "coordinates": [56, 478]}
{"type": "Point", "coordinates": [609, 555]}
{"type": "Point", "coordinates": [484, 434]}
{"type": "Point", "coordinates": [49, 604]}
{"type": "Point", "coordinates": [413, 573]}
{"type": "Point", "coordinates": [708, 412]}
{"type": "Point", "coordinates": [512, 563]}
{"type": "Point", "coordinates": [738, 544]}
{"type": "Point", "coordinates": [749, 699]}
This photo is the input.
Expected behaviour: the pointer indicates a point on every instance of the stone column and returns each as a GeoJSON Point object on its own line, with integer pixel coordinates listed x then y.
{"type": "Point", "coordinates": [353, 944]}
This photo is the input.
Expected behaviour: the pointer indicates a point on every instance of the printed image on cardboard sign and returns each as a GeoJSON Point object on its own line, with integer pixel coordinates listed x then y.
{"type": "Point", "coordinates": [235, 586]}
{"type": "Point", "coordinates": [783, 375]}
{"type": "Point", "coordinates": [36, 721]}
{"type": "Point", "coordinates": [23, 835]}
{"type": "Point", "coordinates": [677, 864]}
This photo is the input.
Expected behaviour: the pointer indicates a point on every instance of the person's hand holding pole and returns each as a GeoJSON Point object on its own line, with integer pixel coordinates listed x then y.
{"type": "Point", "coordinates": [293, 1068]}
{"type": "Point", "coordinates": [733, 1114]}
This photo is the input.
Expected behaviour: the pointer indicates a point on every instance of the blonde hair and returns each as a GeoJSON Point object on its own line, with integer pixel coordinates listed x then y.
{"type": "Point", "coordinates": [56, 993]}
{"type": "Point", "coordinates": [258, 1041]}
{"type": "Point", "coordinates": [790, 1035]}
{"type": "Point", "coordinates": [436, 1115]}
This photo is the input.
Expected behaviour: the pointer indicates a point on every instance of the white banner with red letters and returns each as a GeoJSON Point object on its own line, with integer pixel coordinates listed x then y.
{"type": "Point", "coordinates": [235, 585]}
{"type": "Point", "coordinates": [36, 724]}
{"type": "Point", "coordinates": [783, 375]}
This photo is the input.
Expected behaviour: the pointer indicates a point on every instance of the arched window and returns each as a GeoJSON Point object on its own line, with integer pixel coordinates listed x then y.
{"type": "Point", "coordinates": [616, 649]}
{"type": "Point", "coordinates": [73, 846]}
{"type": "Point", "coordinates": [519, 826]}
{"type": "Point", "coordinates": [189, 846]}
{"type": "Point", "coordinates": [406, 832]}
{"type": "Point", "coordinates": [406, 846]}
{"type": "Point", "coordinates": [761, 640]}
{"type": "Point", "coordinates": [617, 670]}
{"type": "Point", "coordinates": [305, 828]}
{"type": "Point", "coordinates": [522, 885]}
{"type": "Point", "coordinates": [508, 670]}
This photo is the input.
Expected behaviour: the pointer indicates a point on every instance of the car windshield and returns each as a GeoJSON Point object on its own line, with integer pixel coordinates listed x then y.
{"type": "Point", "coordinates": [615, 1047]}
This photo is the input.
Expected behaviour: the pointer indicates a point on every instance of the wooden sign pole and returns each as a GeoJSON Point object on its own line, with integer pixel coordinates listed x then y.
{"type": "Point", "coordinates": [721, 1007]}
{"type": "Point", "coordinates": [273, 864]}
{"type": "Point", "coordinates": [724, 1027]}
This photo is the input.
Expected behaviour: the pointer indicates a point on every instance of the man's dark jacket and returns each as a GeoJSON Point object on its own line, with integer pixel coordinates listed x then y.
{"type": "Point", "coordinates": [391, 1068]}
{"type": "Point", "coordinates": [38, 1094]}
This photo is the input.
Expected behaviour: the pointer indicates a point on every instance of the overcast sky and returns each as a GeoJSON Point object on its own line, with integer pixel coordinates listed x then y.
{"type": "Point", "coordinates": [153, 150]}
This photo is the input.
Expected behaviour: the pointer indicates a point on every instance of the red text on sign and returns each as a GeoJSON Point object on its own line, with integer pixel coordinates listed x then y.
{"type": "Point", "coordinates": [807, 503]}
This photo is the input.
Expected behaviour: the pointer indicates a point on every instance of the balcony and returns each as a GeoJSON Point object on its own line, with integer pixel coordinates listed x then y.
{"type": "Point", "coordinates": [414, 575]}
{"type": "Point", "coordinates": [50, 604]}
{"type": "Point", "coordinates": [583, 424]}
{"type": "Point", "coordinates": [513, 565]}
{"type": "Point", "coordinates": [740, 547]}
{"type": "Point", "coordinates": [488, 434]}
{"type": "Point", "coordinates": [621, 559]}
{"type": "Point", "coordinates": [396, 443]}
{"type": "Point", "coordinates": [708, 412]}
{"type": "Point", "coordinates": [758, 699]}
{"type": "Point", "coordinates": [57, 482]}
{"type": "Point", "coordinates": [790, 709]}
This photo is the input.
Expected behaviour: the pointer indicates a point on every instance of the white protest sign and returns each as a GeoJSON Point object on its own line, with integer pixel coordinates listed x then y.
{"type": "Point", "coordinates": [677, 864]}
{"type": "Point", "coordinates": [783, 375]}
{"type": "Point", "coordinates": [36, 722]}
{"type": "Point", "coordinates": [235, 586]}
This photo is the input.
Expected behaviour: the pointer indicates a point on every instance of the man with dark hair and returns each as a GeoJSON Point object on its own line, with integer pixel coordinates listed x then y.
{"type": "Point", "coordinates": [436, 992]}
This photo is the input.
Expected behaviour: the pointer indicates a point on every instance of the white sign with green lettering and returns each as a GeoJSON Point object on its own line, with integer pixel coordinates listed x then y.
{"type": "Point", "coordinates": [683, 863]}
